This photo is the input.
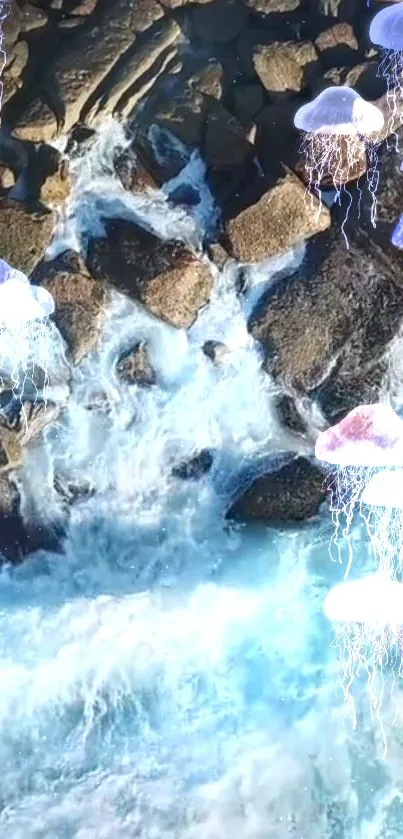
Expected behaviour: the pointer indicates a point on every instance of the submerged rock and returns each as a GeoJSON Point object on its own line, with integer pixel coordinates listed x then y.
{"type": "Point", "coordinates": [281, 219]}
{"type": "Point", "coordinates": [169, 280]}
{"type": "Point", "coordinates": [293, 492]}
{"type": "Point", "coordinates": [216, 351]}
{"type": "Point", "coordinates": [80, 302]}
{"type": "Point", "coordinates": [196, 467]}
{"type": "Point", "coordinates": [134, 366]}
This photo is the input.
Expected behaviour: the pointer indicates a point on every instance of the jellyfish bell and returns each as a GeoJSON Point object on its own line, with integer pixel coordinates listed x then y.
{"type": "Point", "coordinates": [372, 600]}
{"type": "Point", "coordinates": [385, 489]}
{"type": "Point", "coordinates": [339, 111]}
{"type": "Point", "coordinates": [21, 302]}
{"type": "Point", "coordinates": [369, 436]}
{"type": "Point", "coordinates": [386, 29]}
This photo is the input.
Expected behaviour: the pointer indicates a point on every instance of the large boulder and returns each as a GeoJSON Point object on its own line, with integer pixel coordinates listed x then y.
{"type": "Point", "coordinates": [282, 218]}
{"type": "Point", "coordinates": [327, 329]}
{"type": "Point", "coordinates": [80, 302]}
{"type": "Point", "coordinates": [24, 234]}
{"type": "Point", "coordinates": [285, 68]}
{"type": "Point", "coordinates": [169, 280]}
{"type": "Point", "coordinates": [293, 491]}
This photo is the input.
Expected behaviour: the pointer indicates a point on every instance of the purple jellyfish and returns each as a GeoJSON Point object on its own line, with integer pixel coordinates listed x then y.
{"type": "Point", "coordinates": [337, 128]}
{"type": "Point", "coordinates": [386, 32]}
{"type": "Point", "coordinates": [397, 235]}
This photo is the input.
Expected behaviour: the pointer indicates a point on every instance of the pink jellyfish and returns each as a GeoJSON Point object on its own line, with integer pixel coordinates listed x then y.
{"type": "Point", "coordinates": [369, 437]}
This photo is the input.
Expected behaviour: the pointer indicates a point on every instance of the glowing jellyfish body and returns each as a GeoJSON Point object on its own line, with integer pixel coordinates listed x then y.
{"type": "Point", "coordinates": [337, 127]}
{"type": "Point", "coordinates": [24, 325]}
{"type": "Point", "coordinates": [386, 32]}
{"type": "Point", "coordinates": [370, 437]}
{"type": "Point", "coordinates": [374, 600]}
{"type": "Point", "coordinates": [383, 500]}
{"type": "Point", "coordinates": [397, 234]}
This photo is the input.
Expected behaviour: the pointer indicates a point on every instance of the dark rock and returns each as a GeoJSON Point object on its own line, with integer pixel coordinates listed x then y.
{"type": "Point", "coordinates": [72, 492]}
{"type": "Point", "coordinates": [248, 100]}
{"type": "Point", "coordinates": [225, 141]}
{"type": "Point", "coordinates": [195, 468]}
{"type": "Point", "coordinates": [279, 220]}
{"type": "Point", "coordinates": [17, 537]}
{"type": "Point", "coordinates": [219, 22]}
{"type": "Point", "coordinates": [134, 367]}
{"type": "Point", "coordinates": [24, 234]}
{"type": "Point", "coordinates": [216, 351]}
{"type": "Point", "coordinates": [132, 174]}
{"type": "Point", "coordinates": [80, 302]}
{"type": "Point", "coordinates": [218, 255]}
{"type": "Point", "coordinates": [337, 46]}
{"type": "Point", "coordinates": [293, 492]}
{"type": "Point", "coordinates": [289, 414]}
{"type": "Point", "coordinates": [208, 80]}
{"type": "Point", "coordinates": [165, 277]}
{"type": "Point", "coordinates": [331, 322]}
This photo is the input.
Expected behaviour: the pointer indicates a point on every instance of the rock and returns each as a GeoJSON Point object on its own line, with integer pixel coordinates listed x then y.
{"type": "Point", "coordinates": [175, 4]}
{"type": "Point", "coordinates": [95, 50]}
{"type": "Point", "coordinates": [292, 492]}
{"type": "Point", "coordinates": [118, 89]}
{"type": "Point", "coordinates": [11, 27]}
{"type": "Point", "coordinates": [284, 68]}
{"type": "Point", "coordinates": [219, 22]}
{"type": "Point", "coordinates": [278, 221]}
{"type": "Point", "coordinates": [225, 141]}
{"type": "Point", "coordinates": [56, 187]}
{"type": "Point", "coordinates": [18, 60]}
{"type": "Point", "coordinates": [208, 80]}
{"type": "Point", "coordinates": [248, 100]}
{"type": "Point", "coordinates": [80, 302]}
{"type": "Point", "coordinates": [269, 7]}
{"type": "Point", "coordinates": [21, 420]}
{"type": "Point", "coordinates": [196, 467]}
{"type": "Point", "coordinates": [24, 235]}
{"type": "Point", "coordinates": [165, 277]}
{"type": "Point", "coordinates": [332, 321]}
{"type": "Point", "coordinates": [218, 255]}
{"type": "Point", "coordinates": [346, 10]}
{"type": "Point", "coordinates": [289, 415]}
{"type": "Point", "coordinates": [277, 138]}
{"type": "Point", "coordinates": [347, 162]}
{"type": "Point", "coordinates": [7, 178]}
{"type": "Point", "coordinates": [17, 537]}
{"type": "Point", "coordinates": [183, 115]}
{"type": "Point", "coordinates": [337, 46]}
{"type": "Point", "coordinates": [83, 8]}
{"type": "Point", "coordinates": [134, 367]}
{"type": "Point", "coordinates": [216, 351]}
{"type": "Point", "coordinates": [133, 175]}
{"type": "Point", "coordinates": [32, 18]}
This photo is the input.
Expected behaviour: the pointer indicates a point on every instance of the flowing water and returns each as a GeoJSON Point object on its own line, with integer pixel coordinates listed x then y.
{"type": "Point", "coordinates": [169, 676]}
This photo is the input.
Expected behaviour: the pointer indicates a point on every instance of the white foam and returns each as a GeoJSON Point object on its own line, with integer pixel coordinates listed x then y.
{"type": "Point", "coordinates": [374, 600]}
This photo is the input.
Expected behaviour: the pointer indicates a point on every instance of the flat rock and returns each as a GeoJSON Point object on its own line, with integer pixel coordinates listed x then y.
{"type": "Point", "coordinates": [331, 322]}
{"type": "Point", "coordinates": [94, 50]}
{"type": "Point", "coordinates": [292, 492]}
{"type": "Point", "coordinates": [134, 367]}
{"type": "Point", "coordinates": [269, 7]}
{"type": "Point", "coordinates": [220, 22]}
{"type": "Point", "coordinates": [80, 302]}
{"type": "Point", "coordinates": [24, 235]}
{"type": "Point", "coordinates": [284, 68]}
{"type": "Point", "coordinates": [169, 280]}
{"type": "Point", "coordinates": [281, 219]}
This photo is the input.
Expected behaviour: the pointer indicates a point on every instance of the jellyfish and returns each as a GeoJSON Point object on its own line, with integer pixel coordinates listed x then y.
{"type": "Point", "coordinates": [24, 327]}
{"type": "Point", "coordinates": [370, 437]}
{"type": "Point", "coordinates": [367, 617]}
{"type": "Point", "coordinates": [337, 127]}
{"type": "Point", "coordinates": [382, 498]}
{"type": "Point", "coordinates": [397, 234]}
{"type": "Point", "coordinates": [386, 32]}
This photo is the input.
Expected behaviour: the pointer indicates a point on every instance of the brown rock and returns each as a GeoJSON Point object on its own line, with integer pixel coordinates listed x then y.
{"type": "Point", "coordinates": [11, 27]}
{"type": "Point", "coordinates": [334, 319]}
{"type": "Point", "coordinates": [79, 302]}
{"type": "Point", "coordinates": [134, 367]}
{"type": "Point", "coordinates": [18, 61]}
{"type": "Point", "coordinates": [219, 22]}
{"type": "Point", "coordinates": [140, 61]}
{"type": "Point", "coordinates": [337, 46]}
{"type": "Point", "coordinates": [175, 4]}
{"type": "Point", "coordinates": [268, 7]}
{"type": "Point", "coordinates": [165, 277]}
{"type": "Point", "coordinates": [292, 492]}
{"type": "Point", "coordinates": [24, 235]}
{"type": "Point", "coordinates": [132, 174]}
{"type": "Point", "coordinates": [208, 80]}
{"type": "Point", "coordinates": [95, 50]}
{"type": "Point", "coordinates": [346, 10]}
{"type": "Point", "coordinates": [32, 18]}
{"type": "Point", "coordinates": [346, 162]}
{"type": "Point", "coordinates": [84, 7]}
{"type": "Point", "coordinates": [282, 218]}
{"type": "Point", "coordinates": [284, 67]}
{"type": "Point", "coordinates": [225, 141]}
{"type": "Point", "coordinates": [56, 188]}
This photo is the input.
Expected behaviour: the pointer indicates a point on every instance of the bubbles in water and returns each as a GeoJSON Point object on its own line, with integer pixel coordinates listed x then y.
{"type": "Point", "coordinates": [337, 127]}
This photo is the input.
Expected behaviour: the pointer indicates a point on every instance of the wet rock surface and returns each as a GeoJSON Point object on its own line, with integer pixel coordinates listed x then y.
{"type": "Point", "coordinates": [292, 492]}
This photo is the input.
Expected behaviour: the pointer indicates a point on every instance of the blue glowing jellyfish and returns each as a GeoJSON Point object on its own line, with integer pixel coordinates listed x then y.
{"type": "Point", "coordinates": [386, 32]}
{"type": "Point", "coordinates": [24, 326]}
{"type": "Point", "coordinates": [337, 128]}
{"type": "Point", "coordinates": [374, 599]}
{"type": "Point", "coordinates": [397, 234]}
